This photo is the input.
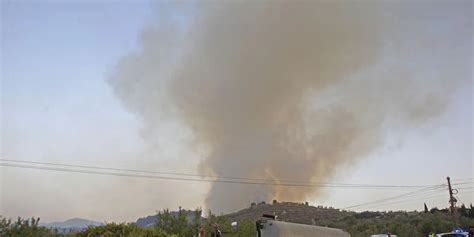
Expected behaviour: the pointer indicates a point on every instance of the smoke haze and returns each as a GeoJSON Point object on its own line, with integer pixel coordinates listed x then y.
{"type": "Point", "coordinates": [293, 90]}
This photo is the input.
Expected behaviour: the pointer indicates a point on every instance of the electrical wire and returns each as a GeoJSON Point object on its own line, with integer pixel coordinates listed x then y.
{"type": "Point", "coordinates": [413, 193]}
{"type": "Point", "coordinates": [169, 178]}
{"type": "Point", "coordinates": [407, 197]}
{"type": "Point", "coordinates": [409, 200]}
{"type": "Point", "coordinates": [209, 178]}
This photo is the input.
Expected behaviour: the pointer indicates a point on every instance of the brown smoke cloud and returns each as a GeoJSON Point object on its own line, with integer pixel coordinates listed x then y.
{"type": "Point", "coordinates": [292, 90]}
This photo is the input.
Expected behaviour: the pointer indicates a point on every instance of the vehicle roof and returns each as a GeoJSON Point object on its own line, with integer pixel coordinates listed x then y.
{"type": "Point", "coordinates": [280, 228]}
{"type": "Point", "coordinates": [451, 233]}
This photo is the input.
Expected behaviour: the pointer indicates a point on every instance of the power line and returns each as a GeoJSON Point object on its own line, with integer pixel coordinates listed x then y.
{"type": "Point", "coordinates": [424, 191]}
{"type": "Point", "coordinates": [417, 192]}
{"type": "Point", "coordinates": [147, 176]}
{"type": "Point", "coordinates": [410, 195]}
{"type": "Point", "coordinates": [204, 178]}
{"type": "Point", "coordinates": [461, 184]}
{"type": "Point", "coordinates": [168, 178]}
{"type": "Point", "coordinates": [464, 188]}
{"type": "Point", "coordinates": [409, 200]}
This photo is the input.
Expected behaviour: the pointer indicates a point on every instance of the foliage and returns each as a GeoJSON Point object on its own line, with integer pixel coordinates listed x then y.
{"type": "Point", "coordinates": [245, 228]}
{"type": "Point", "coordinates": [24, 228]}
{"type": "Point", "coordinates": [400, 223]}
{"type": "Point", "coordinates": [121, 230]}
{"type": "Point", "coordinates": [175, 225]}
{"type": "Point", "coordinates": [168, 225]}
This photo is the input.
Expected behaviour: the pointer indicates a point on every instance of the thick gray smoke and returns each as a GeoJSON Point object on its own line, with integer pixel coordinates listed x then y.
{"type": "Point", "coordinates": [293, 90]}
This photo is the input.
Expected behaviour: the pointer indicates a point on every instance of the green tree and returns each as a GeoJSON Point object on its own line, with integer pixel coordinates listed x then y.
{"type": "Point", "coordinates": [174, 225]}
{"type": "Point", "coordinates": [197, 222]}
{"type": "Point", "coordinates": [245, 228]}
{"type": "Point", "coordinates": [24, 228]}
{"type": "Point", "coordinates": [121, 230]}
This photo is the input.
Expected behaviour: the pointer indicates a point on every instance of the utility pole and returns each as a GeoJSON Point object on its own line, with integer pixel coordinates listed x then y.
{"type": "Point", "coordinates": [452, 201]}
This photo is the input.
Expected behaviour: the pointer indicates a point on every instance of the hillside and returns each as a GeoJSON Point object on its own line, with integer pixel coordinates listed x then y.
{"type": "Point", "coordinates": [358, 224]}
{"type": "Point", "coordinates": [291, 212]}
{"type": "Point", "coordinates": [150, 221]}
{"type": "Point", "coordinates": [361, 224]}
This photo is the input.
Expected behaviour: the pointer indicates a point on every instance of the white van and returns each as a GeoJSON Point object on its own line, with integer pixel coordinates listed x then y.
{"type": "Point", "coordinates": [273, 228]}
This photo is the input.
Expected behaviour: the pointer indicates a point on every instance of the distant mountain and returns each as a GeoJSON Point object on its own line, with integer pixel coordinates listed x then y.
{"type": "Point", "coordinates": [149, 221]}
{"type": "Point", "coordinates": [71, 224]}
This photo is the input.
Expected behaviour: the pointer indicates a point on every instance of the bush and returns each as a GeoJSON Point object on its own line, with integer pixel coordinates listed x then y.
{"type": "Point", "coordinates": [24, 228]}
{"type": "Point", "coordinates": [121, 230]}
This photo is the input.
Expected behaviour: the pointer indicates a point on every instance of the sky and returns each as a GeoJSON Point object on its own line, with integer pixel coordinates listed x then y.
{"type": "Point", "coordinates": [56, 106]}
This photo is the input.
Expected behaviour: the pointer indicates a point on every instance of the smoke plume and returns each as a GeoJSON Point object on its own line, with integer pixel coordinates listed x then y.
{"type": "Point", "coordinates": [293, 90]}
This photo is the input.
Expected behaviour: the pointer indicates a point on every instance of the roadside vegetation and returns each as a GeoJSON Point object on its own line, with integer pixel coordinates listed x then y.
{"type": "Point", "coordinates": [167, 226]}
{"type": "Point", "coordinates": [357, 224]}
{"type": "Point", "coordinates": [409, 224]}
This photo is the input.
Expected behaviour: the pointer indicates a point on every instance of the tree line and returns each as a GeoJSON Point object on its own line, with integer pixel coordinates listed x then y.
{"type": "Point", "coordinates": [361, 224]}
{"type": "Point", "coordinates": [168, 225]}
{"type": "Point", "coordinates": [411, 224]}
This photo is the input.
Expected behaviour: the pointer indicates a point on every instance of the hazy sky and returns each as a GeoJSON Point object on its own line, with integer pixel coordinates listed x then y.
{"type": "Point", "coordinates": [56, 106]}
